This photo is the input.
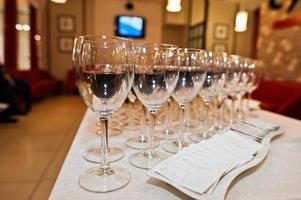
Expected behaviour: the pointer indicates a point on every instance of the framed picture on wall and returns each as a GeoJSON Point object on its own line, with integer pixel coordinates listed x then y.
{"type": "Point", "coordinates": [65, 44]}
{"type": "Point", "coordinates": [221, 31]}
{"type": "Point", "coordinates": [219, 47]}
{"type": "Point", "coordinates": [66, 23]}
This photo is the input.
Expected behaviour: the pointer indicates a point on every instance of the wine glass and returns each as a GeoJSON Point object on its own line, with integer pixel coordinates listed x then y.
{"type": "Point", "coordinates": [191, 78]}
{"type": "Point", "coordinates": [231, 85]}
{"type": "Point", "coordinates": [167, 133]}
{"type": "Point", "coordinates": [221, 96]}
{"type": "Point", "coordinates": [132, 123]}
{"type": "Point", "coordinates": [254, 74]}
{"type": "Point", "coordinates": [155, 79]}
{"type": "Point", "coordinates": [104, 74]}
{"type": "Point", "coordinates": [93, 154]}
{"type": "Point", "coordinates": [141, 141]}
{"type": "Point", "coordinates": [214, 82]}
{"type": "Point", "coordinates": [242, 86]}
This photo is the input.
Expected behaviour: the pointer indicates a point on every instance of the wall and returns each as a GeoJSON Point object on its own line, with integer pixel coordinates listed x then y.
{"type": "Point", "coordinates": [177, 18]}
{"type": "Point", "coordinates": [220, 12]}
{"type": "Point", "coordinates": [244, 41]}
{"type": "Point", "coordinates": [60, 62]}
{"type": "Point", "coordinates": [173, 34]}
{"type": "Point", "coordinates": [42, 54]}
{"type": "Point", "coordinates": [97, 17]}
{"type": "Point", "coordinates": [280, 49]}
{"type": "Point", "coordinates": [175, 25]}
{"type": "Point", "coordinates": [105, 11]}
{"type": "Point", "coordinates": [197, 12]}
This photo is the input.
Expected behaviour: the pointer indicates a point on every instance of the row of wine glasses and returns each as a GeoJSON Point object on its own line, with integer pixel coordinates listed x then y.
{"type": "Point", "coordinates": [107, 68]}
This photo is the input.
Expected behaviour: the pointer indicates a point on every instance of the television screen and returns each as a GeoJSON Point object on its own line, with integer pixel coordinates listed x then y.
{"type": "Point", "coordinates": [130, 26]}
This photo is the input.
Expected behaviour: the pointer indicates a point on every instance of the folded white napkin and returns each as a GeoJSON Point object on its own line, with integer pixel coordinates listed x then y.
{"type": "Point", "coordinates": [200, 166]}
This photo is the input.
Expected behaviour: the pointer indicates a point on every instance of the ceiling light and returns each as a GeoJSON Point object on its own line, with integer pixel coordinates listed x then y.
{"type": "Point", "coordinates": [59, 1]}
{"type": "Point", "coordinates": [174, 6]}
{"type": "Point", "coordinates": [37, 37]}
{"type": "Point", "coordinates": [241, 21]}
{"type": "Point", "coordinates": [19, 27]}
{"type": "Point", "coordinates": [26, 27]}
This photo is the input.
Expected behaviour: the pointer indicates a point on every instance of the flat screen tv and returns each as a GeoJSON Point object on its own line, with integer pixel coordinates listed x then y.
{"type": "Point", "coordinates": [130, 26]}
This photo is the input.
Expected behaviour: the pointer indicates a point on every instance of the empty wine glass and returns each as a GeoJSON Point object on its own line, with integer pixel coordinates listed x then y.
{"type": "Point", "coordinates": [104, 73]}
{"type": "Point", "coordinates": [155, 79]}
{"type": "Point", "coordinates": [221, 96]}
{"type": "Point", "coordinates": [242, 86]}
{"type": "Point", "coordinates": [254, 74]}
{"type": "Point", "coordinates": [192, 74]}
{"type": "Point", "coordinates": [231, 85]}
{"type": "Point", "coordinates": [132, 123]}
{"type": "Point", "coordinates": [141, 141]}
{"type": "Point", "coordinates": [214, 82]}
{"type": "Point", "coordinates": [168, 133]}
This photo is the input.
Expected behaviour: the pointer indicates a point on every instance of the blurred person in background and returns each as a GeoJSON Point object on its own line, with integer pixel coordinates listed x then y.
{"type": "Point", "coordinates": [14, 92]}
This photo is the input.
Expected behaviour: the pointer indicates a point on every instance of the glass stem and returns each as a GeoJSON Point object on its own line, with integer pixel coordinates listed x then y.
{"type": "Point", "coordinates": [240, 106]}
{"type": "Point", "coordinates": [205, 132]}
{"type": "Point", "coordinates": [182, 116]}
{"type": "Point", "coordinates": [143, 123]}
{"type": "Point", "coordinates": [151, 133]}
{"type": "Point", "coordinates": [220, 113]}
{"type": "Point", "coordinates": [248, 103]}
{"type": "Point", "coordinates": [168, 117]}
{"type": "Point", "coordinates": [104, 163]}
{"type": "Point", "coordinates": [232, 111]}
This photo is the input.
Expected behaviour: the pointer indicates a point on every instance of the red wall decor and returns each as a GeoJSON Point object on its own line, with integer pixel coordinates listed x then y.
{"type": "Point", "coordinates": [289, 22]}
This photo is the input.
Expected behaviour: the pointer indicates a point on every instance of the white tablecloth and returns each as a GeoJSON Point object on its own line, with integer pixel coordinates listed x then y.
{"type": "Point", "coordinates": [278, 177]}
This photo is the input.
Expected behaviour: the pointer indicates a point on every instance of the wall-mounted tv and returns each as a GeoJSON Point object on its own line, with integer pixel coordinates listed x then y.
{"type": "Point", "coordinates": [130, 26]}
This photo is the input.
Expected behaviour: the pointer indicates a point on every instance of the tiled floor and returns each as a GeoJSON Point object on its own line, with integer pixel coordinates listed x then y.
{"type": "Point", "coordinates": [33, 150]}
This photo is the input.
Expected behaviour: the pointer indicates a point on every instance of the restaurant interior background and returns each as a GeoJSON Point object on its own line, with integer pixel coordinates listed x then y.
{"type": "Point", "coordinates": [36, 39]}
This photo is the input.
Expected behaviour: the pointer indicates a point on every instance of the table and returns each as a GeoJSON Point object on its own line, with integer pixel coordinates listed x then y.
{"type": "Point", "coordinates": [277, 177]}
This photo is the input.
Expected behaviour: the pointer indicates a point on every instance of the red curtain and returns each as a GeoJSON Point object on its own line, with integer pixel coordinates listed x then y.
{"type": "Point", "coordinates": [33, 32]}
{"type": "Point", "coordinates": [10, 35]}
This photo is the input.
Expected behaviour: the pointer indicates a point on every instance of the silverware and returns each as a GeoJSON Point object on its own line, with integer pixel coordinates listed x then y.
{"type": "Point", "coordinates": [254, 137]}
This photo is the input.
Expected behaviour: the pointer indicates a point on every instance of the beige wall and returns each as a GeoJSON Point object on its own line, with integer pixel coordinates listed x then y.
{"type": "Point", "coordinates": [105, 11]}
{"type": "Point", "coordinates": [99, 17]}
{"type": "Point", "coordinates": [197, 12]}
{"type": "Point", "coordinates": [220, 12]}
{"type": "Point", "coordinates": [175, 25]}
{"type": "Point", "coordinates": [173, 34]}
{"type": "Point", "coordinates": [177, 18]}
{"type": "Point", "coordinates": [60, 62]}
{"type": "Point", "coordinates": [280, 49]}
{"type": "Point", "coordinates": [245, 40]}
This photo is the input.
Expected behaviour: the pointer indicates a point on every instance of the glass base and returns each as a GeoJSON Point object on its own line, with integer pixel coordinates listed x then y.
{"type": "Point", "coordinates": [94, 154]}
{"type": "Point", "coordinates": [94, 180]}
{"type": "Point", "coordinates": [192, 124]}
{"type": "Point", "coordinates": [174, 146]}
{"type": "Point", "coordinates": [141, 142]}
{"type": "Point", "coordinates": [166, 134]}
{"type": "Point", "coordinates": [146, 160]}
{"type": "Point", "coordinates": [131, 126]}
{"type": "Point", "coordinates": [218, 127]}
{"type": "Point", "coordinates": [197, 137]}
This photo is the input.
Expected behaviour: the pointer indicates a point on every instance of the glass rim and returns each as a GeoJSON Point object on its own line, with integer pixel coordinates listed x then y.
{"type": "Point", "coordinates": [192, 50]}
{"type": "Point", "coordinates": [158, 45]}
{"type": "Point", "coordinates": [102, 38]}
